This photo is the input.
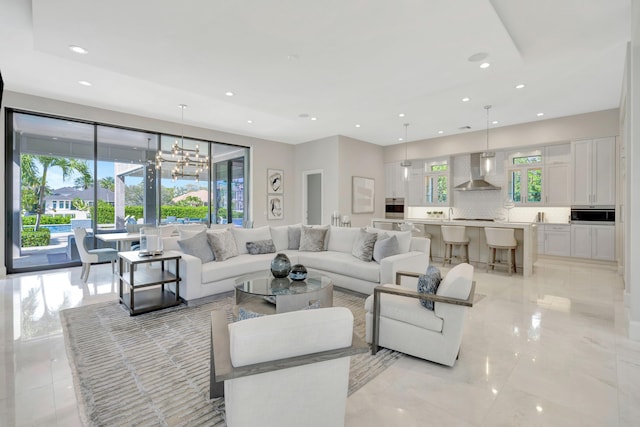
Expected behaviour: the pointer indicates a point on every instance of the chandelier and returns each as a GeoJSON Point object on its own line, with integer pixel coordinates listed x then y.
{"type": "Point", "coordinates": [187, 161]}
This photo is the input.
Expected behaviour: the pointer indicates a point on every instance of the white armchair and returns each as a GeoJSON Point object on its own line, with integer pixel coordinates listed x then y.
{"type": "Point", "coordinates": [92, 256]}
{"type": "Point", "coordinates": [288, 369]}
{"type": "Point", "coordinates": [395, 319]}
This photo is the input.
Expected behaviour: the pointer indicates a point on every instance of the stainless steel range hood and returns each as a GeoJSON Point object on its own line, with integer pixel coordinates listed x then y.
{"type": "Point", "coordinates": [477, 182]}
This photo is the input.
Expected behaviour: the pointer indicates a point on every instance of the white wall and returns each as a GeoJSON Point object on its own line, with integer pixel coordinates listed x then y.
{"type": "Point", "coordinates": [316, 155]}
{"type": "Point", "coordinates": [631, 94]}
{"type": "Point", "coordinates": [359, 158]}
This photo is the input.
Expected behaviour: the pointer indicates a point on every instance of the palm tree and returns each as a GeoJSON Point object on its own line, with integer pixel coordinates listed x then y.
{"type": "Point", "coordinates": [30, 172]}
{"type": "Point", "coordinates": [108, 183]}
{"type": "Point", "coordinates": [85, 180]}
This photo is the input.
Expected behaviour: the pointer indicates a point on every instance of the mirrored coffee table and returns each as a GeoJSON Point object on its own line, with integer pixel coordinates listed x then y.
{"type": "Point", "coordinates": [264, 294]}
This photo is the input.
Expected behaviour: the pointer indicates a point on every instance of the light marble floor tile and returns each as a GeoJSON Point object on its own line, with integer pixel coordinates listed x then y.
{"type": "Point", "coordinates": [547, 350]}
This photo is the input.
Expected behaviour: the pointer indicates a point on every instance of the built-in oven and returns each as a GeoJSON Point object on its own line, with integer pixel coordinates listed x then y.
{"type": "Point", "coordinates": [605, 215]}
{"type": "Point", "coordinates": [394, 208]}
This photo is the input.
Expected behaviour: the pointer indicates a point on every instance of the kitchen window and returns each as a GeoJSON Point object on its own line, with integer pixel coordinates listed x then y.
{"type": "Point", "coordinates": [437, 182]}
{"type": "Point", "coordinates": [524, 178]}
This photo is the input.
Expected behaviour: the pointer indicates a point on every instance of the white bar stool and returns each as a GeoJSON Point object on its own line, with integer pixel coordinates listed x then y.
{"type": "Point", "coordinates": [455, 235]}
{"type": "Point", "coordinates": [428, 236]}
{"type": "Point", "coordinates": [501, 238]}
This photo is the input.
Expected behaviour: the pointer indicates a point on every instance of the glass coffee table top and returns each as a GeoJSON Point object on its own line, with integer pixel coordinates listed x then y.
{"type": "Point", "coordinates": [266, 285]}
{"type": "Point", "coordinates": [262, 293]}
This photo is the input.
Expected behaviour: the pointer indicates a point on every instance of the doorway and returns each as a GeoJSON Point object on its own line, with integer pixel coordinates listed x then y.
{"type": "Point", "coordinates": [312, 196]}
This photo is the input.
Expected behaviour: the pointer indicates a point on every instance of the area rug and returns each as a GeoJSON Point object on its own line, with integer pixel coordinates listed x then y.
{"type": "Point", "coordinates": [153, 369]}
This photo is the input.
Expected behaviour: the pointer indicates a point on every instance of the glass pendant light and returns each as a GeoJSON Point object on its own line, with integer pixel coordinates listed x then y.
{"type": "Point", "coordinates": [488, 157]}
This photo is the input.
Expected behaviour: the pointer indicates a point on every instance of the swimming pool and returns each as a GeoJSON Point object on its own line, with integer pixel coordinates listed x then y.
{"type": "Point", "coordinates": [56, 228]}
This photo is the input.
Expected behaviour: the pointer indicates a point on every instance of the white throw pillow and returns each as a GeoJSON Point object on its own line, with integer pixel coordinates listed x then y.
{"type": "Point", "coordinates": [404, 237]}
{"type": "Point", "coordinates": [280, 237]}
{"type": "Point", "coordinates": [341, 239]}
{"type": "Point", "coordinates": [244, 235]}
{"type": "Point", "coordinates": [223, 245]}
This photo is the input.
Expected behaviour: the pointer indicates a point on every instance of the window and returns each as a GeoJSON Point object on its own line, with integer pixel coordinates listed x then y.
{"type": "Point", "coordinates": [71, 172]}
{"type": "Point", "coordinates": [524, 177]}
{"type": "Point", "coordinates": [436, 182]}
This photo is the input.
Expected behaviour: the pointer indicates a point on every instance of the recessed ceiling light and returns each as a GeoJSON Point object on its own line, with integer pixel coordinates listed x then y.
{"type": "Point", "coordinates": [466, 99]}
{"type": "Point", "coordinates": [440, 132]}
{"type": "Point", "coordinates": [84, 83]}
{"type": "Point", "coordinates": [495, 122]}
{"type": "Point", "coordinates": [314, 118]}
{"type": "Point", "coordinates": [540, 114]}
{"type": "Point", "coordinates": [477, 57]}
{"type": "Point", "coordinates": [357, 126]}
{"type": "Point", "coordinates": [249, 121]}
{"type": "Point", "coordinates": [229, 93]}
{"type": "Point", "coordinates": [78, 49]}
{"type": "Point", "coordinates": [520, 86]}
{"type": "Point", "coordinates": [400, 139]}
{"type": "Point", "coordinates": [401, 115]}
{"type": "Point", "coordinates": [485, 65]}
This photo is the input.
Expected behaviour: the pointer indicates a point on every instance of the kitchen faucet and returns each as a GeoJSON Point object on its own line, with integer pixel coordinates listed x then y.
{"type": "Point", "coordinates": [450, 213]}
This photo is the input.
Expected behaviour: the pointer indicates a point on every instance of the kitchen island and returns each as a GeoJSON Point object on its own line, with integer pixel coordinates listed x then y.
{"type": "Point", "coordinates": [526, 236]}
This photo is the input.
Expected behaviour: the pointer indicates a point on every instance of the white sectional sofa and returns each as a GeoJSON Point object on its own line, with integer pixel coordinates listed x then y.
{"type": "Point", "coordinates": [335, 260]}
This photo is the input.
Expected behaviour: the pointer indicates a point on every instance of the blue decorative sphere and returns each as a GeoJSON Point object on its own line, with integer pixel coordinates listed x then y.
{"type": "Point", "coordinates": [298, 272]}
{"type": "Point", "coordinates": [280, 266]}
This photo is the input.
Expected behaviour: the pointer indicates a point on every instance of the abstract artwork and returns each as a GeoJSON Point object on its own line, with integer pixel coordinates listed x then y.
{"type": "Point", "coordinates": [275, 181]}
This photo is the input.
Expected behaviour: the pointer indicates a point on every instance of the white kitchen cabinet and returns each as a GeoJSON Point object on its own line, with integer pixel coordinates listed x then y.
{"type": "Point", "coordinates": [557, 187]}
{"type": "Point", "coordinates": [594, 172]}
{"type": "Point", "coordinates": [557, 175]}
{"type": "Point", "coordinates": [603, 242]}
{"type": "Point", "coordinates": [416, 190]}
{"type": "Point", "coordinates": [593, 241]}
{"type": "Point", "coordinates": [540, 239]}
{"type": "Point", "coordinates": [394, 180]}
{"type": "Point", "coordinates": [557, 240]}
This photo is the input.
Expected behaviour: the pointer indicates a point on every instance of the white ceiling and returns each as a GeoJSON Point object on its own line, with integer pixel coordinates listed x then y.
{"type": "Point", "coordinates": [345, 62]}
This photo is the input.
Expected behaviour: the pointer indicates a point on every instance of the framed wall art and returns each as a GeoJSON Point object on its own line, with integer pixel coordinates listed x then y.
{"type": "Point", "coordinates": [275, 181]}
{"type": "Point", "coordinates": [275, 206]}
{"type": "Point", "coordinates": [362, 194]}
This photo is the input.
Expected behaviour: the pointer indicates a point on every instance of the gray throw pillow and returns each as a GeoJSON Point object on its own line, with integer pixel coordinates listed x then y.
{"type": "Point", "coordinates": [312, 239]}
{"type": "Point", "coordinates": [294, 237]}
{"type": "Point", "coordinates": [385, 246]}
{"type": "Point", "coordinates": [223, 245]}
{"type": "Point", "coordinates": [363, 245]}
{"type": "Point", "coordinates": [428, 284]}
{"type": "Point", "coordinates": [261, 247]}
{"type": "Point", "coordinates": [244, 314]}
{"type": "Point", "coordinates": [198, 246]}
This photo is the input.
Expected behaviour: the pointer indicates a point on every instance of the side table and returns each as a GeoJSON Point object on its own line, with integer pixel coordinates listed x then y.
{"type": "Point", "coordinates": [146, 287]}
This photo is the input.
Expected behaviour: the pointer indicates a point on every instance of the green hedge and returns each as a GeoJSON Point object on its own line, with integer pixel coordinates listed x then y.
{"type": "Point", "coordinates": [30, 238]}
{"type": "Point", "coordinates": [46, 219]}
{"type": "Point", "coordinates": [106, 213]}
{"type": "Point", "coordinates": [134, 211]}
{"type": "Point", "coordinates": [184, 211]}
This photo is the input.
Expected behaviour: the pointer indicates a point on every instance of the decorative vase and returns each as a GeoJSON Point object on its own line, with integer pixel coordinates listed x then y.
{"type": "Point", "coordinates": [280, 266]}
{"type": "Point", "coordinates": [298, 272]}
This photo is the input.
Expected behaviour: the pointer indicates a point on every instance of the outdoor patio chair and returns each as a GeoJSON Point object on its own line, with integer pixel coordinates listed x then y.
{"type": "Point", "coordinates": [92, 256]}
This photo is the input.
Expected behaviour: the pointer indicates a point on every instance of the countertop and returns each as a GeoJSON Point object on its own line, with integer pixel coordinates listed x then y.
{"type": "Point", "coordinates": [472, 223]}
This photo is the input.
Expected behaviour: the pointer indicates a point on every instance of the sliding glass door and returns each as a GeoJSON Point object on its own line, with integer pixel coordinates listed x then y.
{"type": "Point", "coordinates": [64, 173]}
{"type": "Point", "coordinates": [52, 168]}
